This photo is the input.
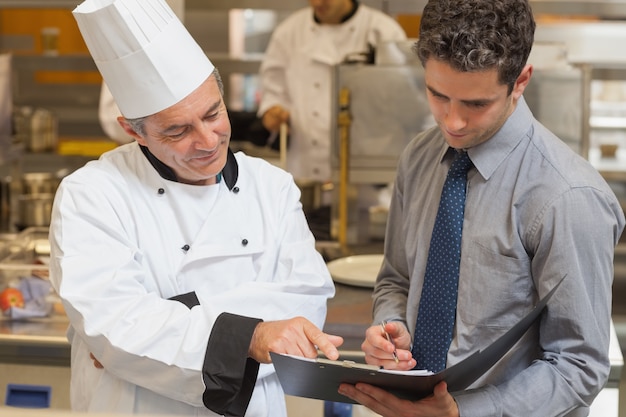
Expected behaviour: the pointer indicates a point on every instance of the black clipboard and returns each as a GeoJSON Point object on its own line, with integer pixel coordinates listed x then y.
{"type": "Point", "coordinates": [320, 378]}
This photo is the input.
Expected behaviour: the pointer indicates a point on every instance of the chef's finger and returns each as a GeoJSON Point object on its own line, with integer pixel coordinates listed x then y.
{"type": "Point", "coordinates": [326, 343]}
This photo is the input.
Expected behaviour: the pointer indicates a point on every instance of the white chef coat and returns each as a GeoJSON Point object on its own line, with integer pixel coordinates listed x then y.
{"type": "Point", "coordinates": [124, 240]}
{"type": "Point", "coordinates": [296, 74]}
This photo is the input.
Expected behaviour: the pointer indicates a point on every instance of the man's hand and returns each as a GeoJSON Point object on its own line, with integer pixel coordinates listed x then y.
{"type": "Point", "coordinates": [274, 117]}
{"type": "Point", "coordinates": [440, 404]}
{"type": "Point", "coordinates": [297, 336]}
{"type": "Point", "coordinates": [379, 351]}
{"type": "Point", "coordinates": [96, 362]}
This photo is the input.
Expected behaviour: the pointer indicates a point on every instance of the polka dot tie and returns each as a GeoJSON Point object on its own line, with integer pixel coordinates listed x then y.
{"type": "Point", "coordinates": [437, 308]}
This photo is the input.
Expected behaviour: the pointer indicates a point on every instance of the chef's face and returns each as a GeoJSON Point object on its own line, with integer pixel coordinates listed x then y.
{"type": "Point", "coordinates": [470, 107]}
{"type": "Point", "coordinates": [192, 136]}
{"type": "Point", "coordinates": [330, 11]}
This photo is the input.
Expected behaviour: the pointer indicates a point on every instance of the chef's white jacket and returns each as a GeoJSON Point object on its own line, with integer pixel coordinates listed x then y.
{"type": "Point", "coordinates": [164, 282]}
{"type": "Point", "coordinates": [296, 73]}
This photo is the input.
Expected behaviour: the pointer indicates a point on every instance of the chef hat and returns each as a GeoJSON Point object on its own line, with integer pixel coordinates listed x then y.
{"type": "Point", "coordinates": [146, 56]}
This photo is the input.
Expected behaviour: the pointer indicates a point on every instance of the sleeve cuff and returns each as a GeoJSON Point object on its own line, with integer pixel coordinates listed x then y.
{"type": "Point", "coordinates": [229, 375]}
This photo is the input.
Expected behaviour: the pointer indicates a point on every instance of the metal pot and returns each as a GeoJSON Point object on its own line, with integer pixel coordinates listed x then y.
{"type": "Point", "coordinates": [43, 134]}
{"type": "Point", "coordinates": [37, 128]}
{"type": "Point", "coordinates": [34, 210]}
{"type": "Point", "coordinates": [36, 183]}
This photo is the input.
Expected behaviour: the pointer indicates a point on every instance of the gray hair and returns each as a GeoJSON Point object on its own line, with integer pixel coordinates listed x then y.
{"type": "Point", "coordinates": [478, 35]}
{"type": "Point", "coordinates": [138, 124]}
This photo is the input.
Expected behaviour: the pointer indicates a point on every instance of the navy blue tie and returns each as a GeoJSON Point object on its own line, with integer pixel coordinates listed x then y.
{"type": "Point", "coordinates": [437, 307]}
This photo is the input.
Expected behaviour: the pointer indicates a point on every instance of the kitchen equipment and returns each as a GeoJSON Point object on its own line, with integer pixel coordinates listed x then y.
{"type": "Point", "coordinates": [34, 183]}
{"type": "Point", "coordinates": [5, 202]}
{"type": "Point", "coordinates": [283, 145]}
{"type": "Point", "coordinates": [344, 121]}
{"type": "Point", "coordinates": [34, 204]}
{"type": "Point", "coordinates": [6, 99]}
{"type": "Point", "coordinates": [36, 128]}
{"type": "Point", "coordinates": [33, 210]}
{"type": "Point", "coordinates": [310, 194]}
{"type": "Point", "coordinates": [608, 150]}
{"type": "Point", "coordinates": [43, 137]}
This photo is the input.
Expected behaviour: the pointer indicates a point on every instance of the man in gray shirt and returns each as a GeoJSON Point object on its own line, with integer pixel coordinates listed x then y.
{"type": "Point", "coordinates": [535, 211]}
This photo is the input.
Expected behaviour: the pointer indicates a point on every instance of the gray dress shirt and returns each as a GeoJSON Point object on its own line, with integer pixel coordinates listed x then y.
{"type": "Point", "coordinates": [535, 211]}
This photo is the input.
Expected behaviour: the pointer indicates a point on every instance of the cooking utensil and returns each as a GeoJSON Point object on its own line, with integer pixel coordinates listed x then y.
{"type": "Point", "coordinates": [33, 210]}
{"type": "Point", "coordinates": [35, 183]}
{"type": "Point", "coordinates": [283, 145]}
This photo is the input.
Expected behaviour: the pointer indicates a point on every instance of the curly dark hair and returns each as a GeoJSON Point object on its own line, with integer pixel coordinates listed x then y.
{"type": "Point", "coordinates": [478, 35]}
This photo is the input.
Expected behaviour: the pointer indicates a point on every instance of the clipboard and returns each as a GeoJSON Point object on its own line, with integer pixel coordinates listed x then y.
{"type": "Point", "coordinates": [320, 378]}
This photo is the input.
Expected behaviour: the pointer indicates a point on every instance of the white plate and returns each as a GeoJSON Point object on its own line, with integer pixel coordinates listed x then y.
{"type": "Point", "coordinates": [359, 270]}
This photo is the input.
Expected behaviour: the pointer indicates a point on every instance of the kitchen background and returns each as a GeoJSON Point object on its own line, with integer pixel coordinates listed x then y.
{"type": "Point", "coordinates": [49, 89]}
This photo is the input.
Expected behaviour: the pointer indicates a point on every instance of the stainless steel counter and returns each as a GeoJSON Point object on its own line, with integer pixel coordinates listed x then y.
{"type": "Point", "coordinates": [36, 341]}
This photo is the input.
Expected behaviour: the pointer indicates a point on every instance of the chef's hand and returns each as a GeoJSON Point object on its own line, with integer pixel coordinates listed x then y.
{"type": "Point", "coordinates": [96, 362]}
{"type": "Point", "coordinates": [274, 117]}
{"type": "Point", "coordinates": [379, 351]}
{"type": "Point", "coordinates": [297, 336]}
{"type": "Point", "coordinates": [440, 404]}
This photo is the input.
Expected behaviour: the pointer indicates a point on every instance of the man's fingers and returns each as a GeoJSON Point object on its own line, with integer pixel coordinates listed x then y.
{"type": "Point", "coordinates": [326, 343]}
{"type": "Point", "coordinates": [96, 362]}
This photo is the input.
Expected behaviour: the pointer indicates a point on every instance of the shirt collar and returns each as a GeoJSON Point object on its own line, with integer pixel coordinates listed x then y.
{"type": "Point", "coordinates": [488, 156]}
{"type": "Point", "coordinates": [230, 171]}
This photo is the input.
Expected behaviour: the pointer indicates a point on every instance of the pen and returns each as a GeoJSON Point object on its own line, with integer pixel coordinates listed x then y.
{"type": "Point", "coordinates": [395, 354]}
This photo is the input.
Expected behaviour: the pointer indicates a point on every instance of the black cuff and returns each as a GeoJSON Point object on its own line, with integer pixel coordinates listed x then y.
{"type": "Point", "coordinates": [228, 373]}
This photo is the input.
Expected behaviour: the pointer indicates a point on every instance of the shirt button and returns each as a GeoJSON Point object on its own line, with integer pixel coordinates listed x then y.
{"type": "Point", "coordinates": [244, 242]}
{"type": "Point", "coordinates": [161, 191]}
{"type": "Point", "coordinates": [236, 190]}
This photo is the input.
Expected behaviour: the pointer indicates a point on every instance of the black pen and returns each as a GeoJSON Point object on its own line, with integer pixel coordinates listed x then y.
{"type": "Point", "coordinates": [395, 354]}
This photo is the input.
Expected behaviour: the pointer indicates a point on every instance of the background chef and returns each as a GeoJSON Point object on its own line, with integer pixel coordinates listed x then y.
{"type": "Point", "coordinates": [296, 75]}
{"type": "Point", "coordinates": [180, 264]}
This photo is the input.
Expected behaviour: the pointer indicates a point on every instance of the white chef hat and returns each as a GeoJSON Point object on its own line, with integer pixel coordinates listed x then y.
{"type": "Point", "coordinates": [147, 58]}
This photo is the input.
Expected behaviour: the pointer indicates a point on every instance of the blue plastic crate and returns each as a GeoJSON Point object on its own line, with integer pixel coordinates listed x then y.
{"type": "Point", "coordinates": [28, 396]}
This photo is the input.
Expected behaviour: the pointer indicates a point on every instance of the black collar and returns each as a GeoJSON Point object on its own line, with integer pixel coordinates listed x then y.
{"type": "Point", "coordinates": [355, 6]}
{"type": "Point", "coordinates": [230, 173]}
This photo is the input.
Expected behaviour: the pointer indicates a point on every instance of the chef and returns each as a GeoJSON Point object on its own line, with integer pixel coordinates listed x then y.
{"type": "Point", "coordinates": [180, 264]}
{"type": "Point", "coordinates": [296, 75]}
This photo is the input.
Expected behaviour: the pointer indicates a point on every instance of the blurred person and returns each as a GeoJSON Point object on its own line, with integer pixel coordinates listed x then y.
{"type": "Point", "coordinates": [534, 211]}
{"type": "Point", "coordinates": [297, 71]}
{"type": "Point", "coordinates": [180, 264]}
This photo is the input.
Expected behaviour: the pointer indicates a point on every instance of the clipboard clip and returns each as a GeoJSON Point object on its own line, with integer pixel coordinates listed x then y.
{"type": "Point", "coordinates": [348, 364]}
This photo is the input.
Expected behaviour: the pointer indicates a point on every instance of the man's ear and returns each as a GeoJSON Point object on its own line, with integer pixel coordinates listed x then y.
{"type": "Point", "coordinates": [522, 81]}
{"type": "Point", "coordinates": [129, 130]}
